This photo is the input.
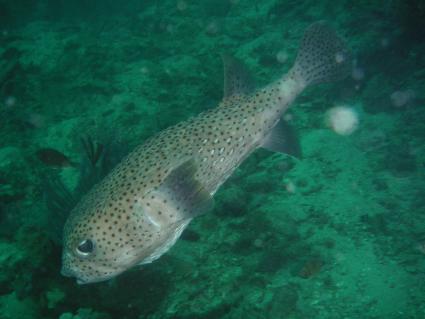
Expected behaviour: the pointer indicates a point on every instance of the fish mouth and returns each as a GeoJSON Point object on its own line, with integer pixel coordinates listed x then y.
{"type": "Point", "coordinates": [84, 280]}
{"type": "Point", "coordinates": [66, 272]}
{"type": "Point", "coordinates": [81, 281]}
{"type": "Point", "coordinates": [129, 258]}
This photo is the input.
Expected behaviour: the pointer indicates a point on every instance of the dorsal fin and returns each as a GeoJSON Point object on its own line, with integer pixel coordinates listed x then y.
{"type": "Point", "coordinates": [237, 80]}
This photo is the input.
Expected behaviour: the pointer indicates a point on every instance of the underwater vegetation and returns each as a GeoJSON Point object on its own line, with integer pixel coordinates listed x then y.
{"type": "Point", "coordinates": [338, 233]}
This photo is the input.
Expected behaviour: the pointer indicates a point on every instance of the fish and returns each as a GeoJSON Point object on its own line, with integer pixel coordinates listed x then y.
{"type": "Point", "coordinates": [54, 158]}
{"type": "Point", "coordinates": [310, 268]}
{"type": "Point", "coordinates": [140, 209]}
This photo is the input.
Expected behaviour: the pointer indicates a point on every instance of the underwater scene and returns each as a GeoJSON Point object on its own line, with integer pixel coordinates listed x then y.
{"type": "Point", "coordinates": [186, 159]}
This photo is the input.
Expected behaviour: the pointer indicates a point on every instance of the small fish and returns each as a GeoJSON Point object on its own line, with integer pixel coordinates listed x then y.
{"type": "Point", "coordinates": [52, 157]}
{"type": "Point", "coordinates": [137, 212]}
{"type": "Point", "coordinates": [310, 268]}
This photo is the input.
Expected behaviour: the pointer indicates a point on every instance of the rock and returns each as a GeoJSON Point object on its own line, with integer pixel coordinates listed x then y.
{"type": "Point", "coordinates": [9, 155]}
{"type": "Point", "coordinates": [11, 307]}
{"type": "Point", "coordinates": [54, 297]}
{"type": "Point", "coordinates": [284, 302]}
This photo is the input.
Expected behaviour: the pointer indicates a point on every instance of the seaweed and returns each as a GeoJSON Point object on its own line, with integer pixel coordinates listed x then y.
{"type": "Point", "coordinates": [97, 161]}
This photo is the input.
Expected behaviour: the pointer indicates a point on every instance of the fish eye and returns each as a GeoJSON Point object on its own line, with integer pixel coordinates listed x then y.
{"type": "Point", "coordinates": [85, 248]}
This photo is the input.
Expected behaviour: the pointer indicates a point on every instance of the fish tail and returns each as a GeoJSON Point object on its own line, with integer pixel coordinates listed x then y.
{"type": "Point", "coordinates": [322, 57]}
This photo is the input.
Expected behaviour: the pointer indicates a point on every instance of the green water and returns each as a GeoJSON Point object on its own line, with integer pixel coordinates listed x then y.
{"type": "Point", "coordinates": [339, 233]}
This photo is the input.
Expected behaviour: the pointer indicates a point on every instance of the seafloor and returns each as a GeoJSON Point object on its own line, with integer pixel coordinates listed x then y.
{"type": "Point", "coordinates": [337, 234]}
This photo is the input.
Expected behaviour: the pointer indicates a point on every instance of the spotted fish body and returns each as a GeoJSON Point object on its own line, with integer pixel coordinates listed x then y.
{"type": "Point", "coordinates": [141, 208]}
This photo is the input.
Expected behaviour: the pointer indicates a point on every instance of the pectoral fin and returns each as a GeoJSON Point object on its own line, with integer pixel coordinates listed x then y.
{"type": "Point", "coordinates": [185, 193]}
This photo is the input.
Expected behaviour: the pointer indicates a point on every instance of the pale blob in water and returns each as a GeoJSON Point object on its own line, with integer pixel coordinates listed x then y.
{"type": "Point", "coordinates": [342, 120]}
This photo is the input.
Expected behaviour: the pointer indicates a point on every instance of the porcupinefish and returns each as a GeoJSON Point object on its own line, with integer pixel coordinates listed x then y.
{"type": "Point", "coordinates": [138, 211]}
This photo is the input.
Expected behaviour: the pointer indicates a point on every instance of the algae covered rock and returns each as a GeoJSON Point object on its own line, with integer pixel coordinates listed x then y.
{"type": "Point", "coordinates": [85, 313]}
{"type": "Point", "coordinates": [10, 257]}
{"type": "Point", "coordinates": [284, 302]}
{"type": "Point", "coordinates": [11, 165]}
{"type": "Point", "coordinates": [8, 156]}
{"type": "Point", "coordinates": [11, 307]}
{"type": "Point", "coordinates": [54, 297]}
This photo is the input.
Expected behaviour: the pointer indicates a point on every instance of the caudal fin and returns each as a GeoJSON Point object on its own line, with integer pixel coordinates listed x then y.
{"type": "Point", "coordinates": [322, 56]}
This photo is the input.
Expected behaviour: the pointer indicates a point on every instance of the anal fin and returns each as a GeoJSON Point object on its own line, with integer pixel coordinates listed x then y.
{"type": "Point", "coordinates": [283, 139]}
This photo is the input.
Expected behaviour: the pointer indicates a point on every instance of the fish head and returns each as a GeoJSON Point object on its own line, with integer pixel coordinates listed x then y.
{"type": "Point", "coordinates": [99, 243]}
{"type": "Point", "coordinates": [114, 228]}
